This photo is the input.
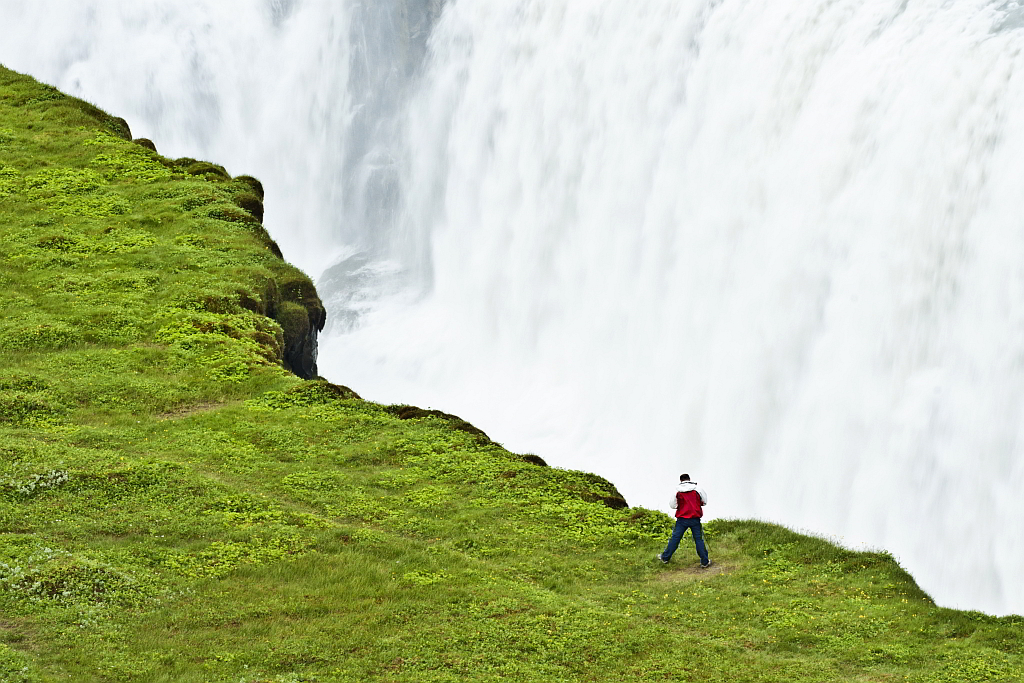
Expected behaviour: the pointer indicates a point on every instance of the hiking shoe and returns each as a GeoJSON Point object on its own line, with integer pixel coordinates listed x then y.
{"type": "Point", "coordinates": [660, 558]}
{"type": "Point", "coordinates": [703, 566]}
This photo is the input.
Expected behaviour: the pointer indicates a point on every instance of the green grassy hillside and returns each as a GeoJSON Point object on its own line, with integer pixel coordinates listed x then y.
{"type": "Point", "coordinates": [176, 505]}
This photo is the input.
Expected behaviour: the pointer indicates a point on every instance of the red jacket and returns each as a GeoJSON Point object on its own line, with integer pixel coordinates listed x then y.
{"type": "Point", "coordinates": [689, 501]}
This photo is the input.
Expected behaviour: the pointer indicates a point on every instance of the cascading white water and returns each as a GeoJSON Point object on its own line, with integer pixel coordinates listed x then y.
{"type": "Point", "coordinates": [772, 244]}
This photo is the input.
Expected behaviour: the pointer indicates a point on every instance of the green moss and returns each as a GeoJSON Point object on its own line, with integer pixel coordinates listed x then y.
{"type": "Point", "coordinates": [8, 181]}
{"type": "Point", "coordinates": [74, 192]}
{"type": "Point", "coordinates": [254, 185]}
{"type": "Point", "coordinates": [315, 393]}
{"type": "Point", "coordinates": [223, 212]}
{"type": "Point", "coordinates": [206, 170]}
{"type": "Point", "coordinates": [135, 166]}
{"type": "Point", "coordinates": [299, 289]}
{"type": "Point", "coordinates": [62, 181]}
{"type": "Point", "coordinates": [294, 321]}
{"type": "Point", "coordinates": [251, 203]}
{"type": "Point", "coordinates": [37, 337]}
{"type": "Point", "coordinates": [145, 143]}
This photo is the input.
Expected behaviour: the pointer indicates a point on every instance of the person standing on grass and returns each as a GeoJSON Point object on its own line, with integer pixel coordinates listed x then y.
{"type": "Point", "coordinates": [688, 504]}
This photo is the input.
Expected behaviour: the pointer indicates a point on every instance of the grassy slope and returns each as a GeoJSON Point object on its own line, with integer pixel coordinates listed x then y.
{"type": "Point", "coordinates": [174, 506]}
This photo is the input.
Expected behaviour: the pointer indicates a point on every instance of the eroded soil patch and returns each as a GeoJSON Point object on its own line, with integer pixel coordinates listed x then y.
{"type": "Point", "coordinates": [676, 574]}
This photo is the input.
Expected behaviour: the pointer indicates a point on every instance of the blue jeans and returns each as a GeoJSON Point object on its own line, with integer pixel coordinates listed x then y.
{"type": "Point", "coordinates": [682, 524]}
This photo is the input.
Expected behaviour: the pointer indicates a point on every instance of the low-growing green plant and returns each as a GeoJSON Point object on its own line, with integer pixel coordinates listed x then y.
{"type": "Point", "coordinates": [37, 483]}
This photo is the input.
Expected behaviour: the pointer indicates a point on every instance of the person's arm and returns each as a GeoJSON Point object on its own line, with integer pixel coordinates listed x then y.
{"type": "Point", "coordinates": [703, 496]}
{"type": "Point", "coordinates": [675, 501]}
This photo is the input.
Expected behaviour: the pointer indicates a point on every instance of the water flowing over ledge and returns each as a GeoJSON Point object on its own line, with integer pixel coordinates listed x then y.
{"type": "Point", "coordinates": [775, 246]}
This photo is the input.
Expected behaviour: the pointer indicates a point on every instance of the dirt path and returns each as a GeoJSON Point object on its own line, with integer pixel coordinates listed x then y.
{"type": "Point", "coordinates": [694, 572]}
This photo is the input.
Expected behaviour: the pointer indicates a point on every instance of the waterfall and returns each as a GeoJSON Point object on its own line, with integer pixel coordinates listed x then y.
{"type": "Point", "coordinates": [773, 245]}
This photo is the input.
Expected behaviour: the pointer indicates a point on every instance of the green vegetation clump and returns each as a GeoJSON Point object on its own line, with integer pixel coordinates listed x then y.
{"type": "Point", "coordinates": [255, 185]}
{"type": "Point", "coordinates": [175, 505]}
{"type": "Point", "coordinates": [251, 203]}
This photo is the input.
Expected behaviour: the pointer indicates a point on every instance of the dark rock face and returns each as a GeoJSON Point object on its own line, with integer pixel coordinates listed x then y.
{"type": "Point", "coordinates": [301, 326]}
{"type": "Point", "coordinates": [301, 315]}
{"type": "Point", "coordinates": [301, 355]}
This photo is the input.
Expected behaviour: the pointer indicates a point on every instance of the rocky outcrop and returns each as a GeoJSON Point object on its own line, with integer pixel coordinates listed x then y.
{"type": "Point", "coordinates": [290, 298]}
{"type": "Point", "coordinates": [300, 339]}
{"type": "Point", "coordinates": [405, 412]}
{"type": "Point", "coordinates": [301, 316]}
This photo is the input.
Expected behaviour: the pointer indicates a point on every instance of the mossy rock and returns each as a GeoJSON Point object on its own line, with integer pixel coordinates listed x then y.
{"type": "Point", "coordinates": [248, 201]}
{"type": "Point", "coordinates": [301, 290]}
{"type": "Point", "coordinates": [222, 303]}
{"type": "Point", "coordinates": [115, 124]}
{"type": "Point", "coordinates": [292, 301]}
{"type": "Point", "coordinates": [207, 170]}
{"type": "Point", "coordinates": [614, 502]}
{"type": "Point", "coordinates": [298, 288]}
{"type": "Point", "coordinates": [145, 142]}
{"type": "Point", "coordinates": [300, 345]}
{"type": "Point", "coordinates": [294, 320]}
{"type": "Point", "coordinates": [601, 484]}
{"type": "Point", "coordinates": [254, 184]}
{"type": "Point", "coordinates": [596, 489]}
{"type": "Point", "coordinates": [406, 412]}
{"type": "Point", "coordinates": [251, 303]}
{"type": "Point", "coordinates": [535, 460]}
{"type": "Point", "coordinates": [118, 126]}
{"type": "Point", "coordinates": [271, 298]}
{"type": "Point", "coordinates": [232, 214]}
{"type": "Point", "coordinates": [265, 238]}
{"type": "Point", "coordinates": [320, 392]}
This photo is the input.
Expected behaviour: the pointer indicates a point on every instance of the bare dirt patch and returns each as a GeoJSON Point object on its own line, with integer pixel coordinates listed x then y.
{"type": "Point", "coordinates": [685, 573]}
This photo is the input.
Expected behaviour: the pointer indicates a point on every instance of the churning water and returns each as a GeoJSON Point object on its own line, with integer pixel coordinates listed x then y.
{"type": "Point", "coordinates": [778, 245]}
